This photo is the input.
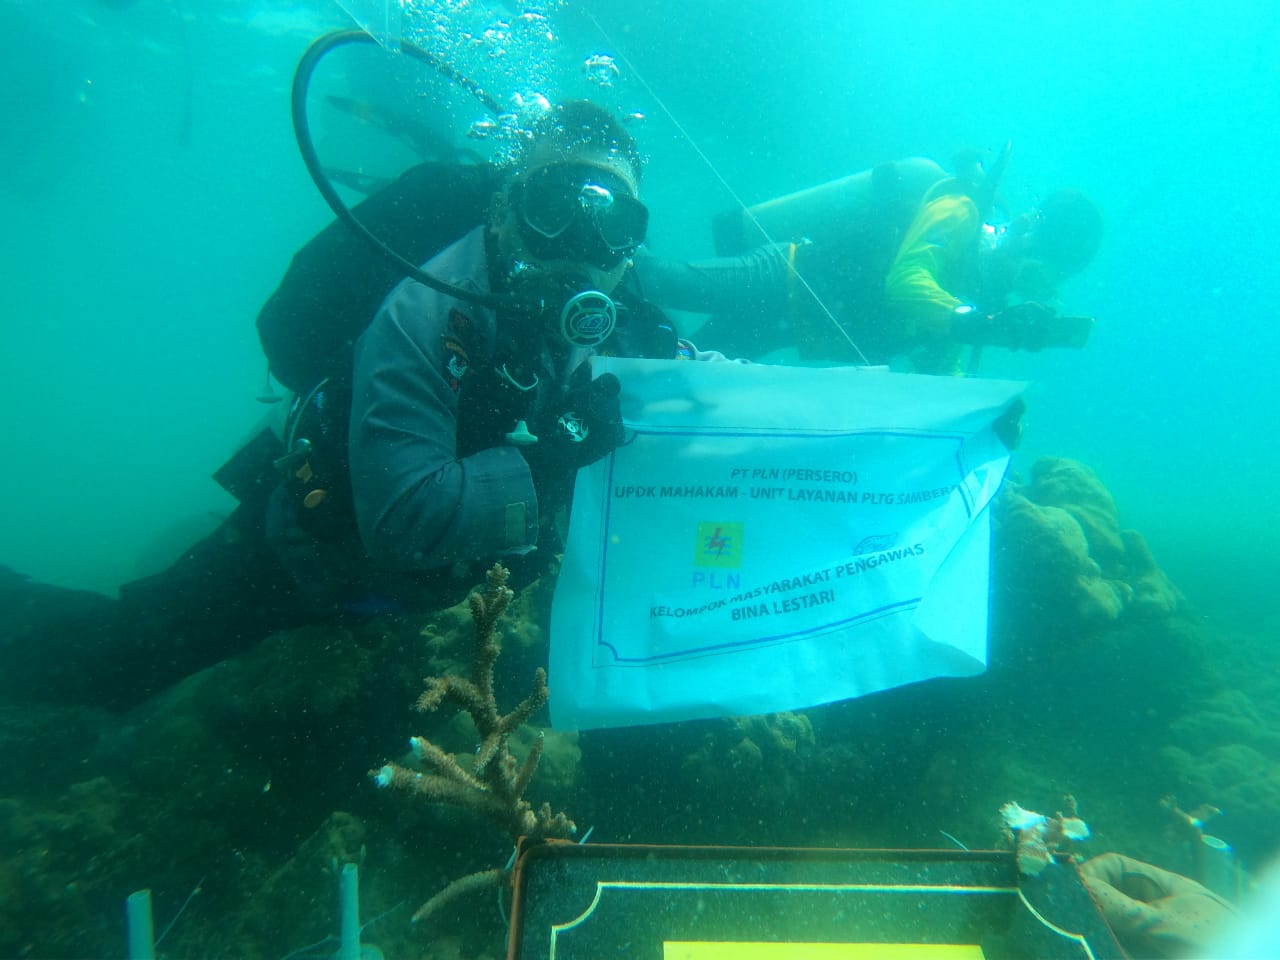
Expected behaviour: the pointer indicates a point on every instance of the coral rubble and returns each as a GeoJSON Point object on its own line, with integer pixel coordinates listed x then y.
{"type": "Point", "coordinates": [1037, 837]}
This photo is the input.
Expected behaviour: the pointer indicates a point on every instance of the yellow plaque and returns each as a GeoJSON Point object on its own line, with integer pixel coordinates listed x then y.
{"type": "Point", "coordinates": [725, 950]}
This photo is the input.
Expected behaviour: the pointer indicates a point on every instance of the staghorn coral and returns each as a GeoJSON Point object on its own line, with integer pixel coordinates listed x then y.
{"type": "Point", "coordinates": [493, 782]}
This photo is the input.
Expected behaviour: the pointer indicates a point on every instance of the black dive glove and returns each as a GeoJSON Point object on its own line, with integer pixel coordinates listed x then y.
{"type": "Point", "coordinates": [585, 426]}
{"type": "Point", "coordinates": [1023, 326]}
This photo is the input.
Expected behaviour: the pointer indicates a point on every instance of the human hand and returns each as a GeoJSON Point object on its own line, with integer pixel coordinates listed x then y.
{"type": "Point", "coordinates": [584, 427]}
{"type": "Point", "coordinates": [1155, 913]}
{"type": "Point", "coordinates": [1023, 326]}
{"type": "Point", "coordinates": [591, 426]}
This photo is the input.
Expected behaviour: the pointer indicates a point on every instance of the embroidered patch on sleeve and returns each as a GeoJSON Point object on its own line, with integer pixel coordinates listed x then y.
{"type": "Point", "coordinates": [456, 362]}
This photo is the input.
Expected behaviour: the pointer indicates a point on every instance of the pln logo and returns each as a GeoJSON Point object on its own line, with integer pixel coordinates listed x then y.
{"type": "Point", "coordinates": [718, 545]}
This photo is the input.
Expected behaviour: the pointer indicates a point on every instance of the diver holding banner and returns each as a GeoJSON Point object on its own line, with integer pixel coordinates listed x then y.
{"type": "Point", "coordinates": [408, 457]}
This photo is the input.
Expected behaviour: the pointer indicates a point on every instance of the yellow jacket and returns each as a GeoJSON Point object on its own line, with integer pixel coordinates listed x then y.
{"type": "Point", "coordinates": [936, 258]}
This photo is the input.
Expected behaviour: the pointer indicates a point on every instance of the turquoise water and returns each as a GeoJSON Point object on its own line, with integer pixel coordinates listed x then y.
{"type": "Point", "coordinates": [153, 196]}
{"type": "Point", "coordinates": [137, 255]}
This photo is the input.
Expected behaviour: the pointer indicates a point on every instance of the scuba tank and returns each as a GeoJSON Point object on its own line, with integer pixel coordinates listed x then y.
{"type": "Point", "coordinates": [834, 212]}
{"type": "Point", "coordinates": [855, 225]}
{"type": "Point", "coordinates": [335, 283]}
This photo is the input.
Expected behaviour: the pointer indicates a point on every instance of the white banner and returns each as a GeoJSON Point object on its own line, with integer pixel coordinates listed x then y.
{"type": "Point", "coordinates": [771, 538]}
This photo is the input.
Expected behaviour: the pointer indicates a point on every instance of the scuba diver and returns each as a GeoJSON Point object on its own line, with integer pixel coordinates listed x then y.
{"type": "Point", "coordinates": [468, 423]}
{"type": "Point", "coordinates": [902, 259]}
{"type": "Point", "coordinates": [421, 446]}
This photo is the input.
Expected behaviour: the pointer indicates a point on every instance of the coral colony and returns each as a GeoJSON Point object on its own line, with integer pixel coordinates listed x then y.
{"type": "Point", "coordinates": [492, 783]}
{"type": "Point", "coordinates": [1037, 837]}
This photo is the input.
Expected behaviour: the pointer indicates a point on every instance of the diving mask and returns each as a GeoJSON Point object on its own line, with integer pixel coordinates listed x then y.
{"type": "Point", "coordinates": [579, 212]}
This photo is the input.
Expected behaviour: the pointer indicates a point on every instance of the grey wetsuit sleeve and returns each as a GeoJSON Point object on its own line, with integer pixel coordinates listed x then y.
{"type": "Point", "coordinates": [756, 280]}
{"type": "Point", "coordinates": [418, 506]}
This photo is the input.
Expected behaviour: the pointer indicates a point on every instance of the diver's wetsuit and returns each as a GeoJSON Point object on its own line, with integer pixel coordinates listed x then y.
{"type": "Point", "coordinates": [435, 480]}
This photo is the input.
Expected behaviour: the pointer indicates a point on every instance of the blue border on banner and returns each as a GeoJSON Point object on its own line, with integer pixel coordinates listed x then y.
{"type": "Point", "coordinates": [691, 653]}
{"type": "Point", "coordinates": [902, 606]}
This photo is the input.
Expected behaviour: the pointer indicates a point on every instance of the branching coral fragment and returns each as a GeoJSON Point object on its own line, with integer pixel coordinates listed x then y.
{"type": "Point", "coordinates": [493, 782]}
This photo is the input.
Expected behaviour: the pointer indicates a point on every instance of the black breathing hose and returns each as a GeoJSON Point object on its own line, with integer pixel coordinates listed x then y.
{"type": "Point", "coordinates": [306, 146]}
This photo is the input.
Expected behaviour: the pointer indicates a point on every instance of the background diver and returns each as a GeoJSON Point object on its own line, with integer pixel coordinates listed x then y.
{"type": "Point", "coordinates": [899, 260]}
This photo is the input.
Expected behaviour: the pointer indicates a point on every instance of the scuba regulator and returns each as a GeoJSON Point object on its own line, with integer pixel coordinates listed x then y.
{"type": "Point", "coordinates": [582, 316]}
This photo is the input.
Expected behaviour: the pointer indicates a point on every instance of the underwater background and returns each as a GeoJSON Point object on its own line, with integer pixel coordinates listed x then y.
{"type": "Point", "coordinates": [153, 195]}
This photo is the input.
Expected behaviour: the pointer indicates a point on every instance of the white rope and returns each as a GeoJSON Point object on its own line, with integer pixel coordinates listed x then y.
{"type": "Point", "coordinates": [723, 182]}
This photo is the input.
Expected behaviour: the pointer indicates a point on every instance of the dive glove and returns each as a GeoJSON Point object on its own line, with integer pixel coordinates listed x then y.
{"type": "Point", "coordinates": [1023, 326]}
{"type": "Point", "coordinates": [585, 426]}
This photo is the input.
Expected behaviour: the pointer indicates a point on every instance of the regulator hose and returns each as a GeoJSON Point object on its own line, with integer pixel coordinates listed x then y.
{"type": "Point", "coordinates": [318, 50]}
